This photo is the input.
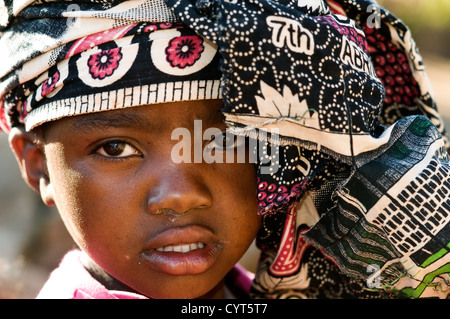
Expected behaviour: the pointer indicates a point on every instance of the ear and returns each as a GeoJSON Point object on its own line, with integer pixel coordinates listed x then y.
{"type": "Point", "coordinates": [29, 152]}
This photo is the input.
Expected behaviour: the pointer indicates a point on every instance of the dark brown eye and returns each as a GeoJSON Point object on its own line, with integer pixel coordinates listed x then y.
{"type": "Point", "coordinates": [117, 149]}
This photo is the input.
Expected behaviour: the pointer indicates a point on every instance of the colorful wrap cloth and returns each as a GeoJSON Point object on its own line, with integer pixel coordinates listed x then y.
{"type": "Point", "coordinates": [68, 58]}
{"type": "Point", "coordinates": [354, 197]}
{"type": "Point", "coordinates": [360, 179]}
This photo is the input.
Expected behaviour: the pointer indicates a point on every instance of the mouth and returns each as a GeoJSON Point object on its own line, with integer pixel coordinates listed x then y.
{"type": "Point", "coordinates": [184, 250]}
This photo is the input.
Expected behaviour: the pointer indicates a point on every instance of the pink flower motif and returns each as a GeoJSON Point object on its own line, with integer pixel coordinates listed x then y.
{"type": "Point", "coordinates": [269, 193]}
{"type": "Point", "coordinates": [166, 25]}
{"type": "Point", "coordinates": [49, 85]}
{"type": "Point", "coordinates": [184, 51]}
{"type": "Point", "coordinates": [151, 28]}
{"type": "Point", "coordinates": [159, 26]}
{"type": "Point", "coordinates": [104, 63]}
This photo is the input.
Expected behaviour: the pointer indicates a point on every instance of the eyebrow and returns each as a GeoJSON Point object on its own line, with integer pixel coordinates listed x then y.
{"type": "Point", "coordinates": [102, 120]}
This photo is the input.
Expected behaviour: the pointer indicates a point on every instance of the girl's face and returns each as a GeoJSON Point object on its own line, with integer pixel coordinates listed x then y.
{"type": "Point", "coordinates": [166, 230]}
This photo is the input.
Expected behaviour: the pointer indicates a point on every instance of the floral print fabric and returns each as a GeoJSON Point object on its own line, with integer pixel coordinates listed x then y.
{"type": "Point", "coordinates": [183, 51]}
{"type": "Point", "coordinates": [103, 64]}
{"type": "Point", "coordinates": [73, 66]}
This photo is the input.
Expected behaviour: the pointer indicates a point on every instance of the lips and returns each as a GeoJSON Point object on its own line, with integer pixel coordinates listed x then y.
{"type": "Point", "coordinates": [182, 250]}
{"type": "Point", "coordinates": [185, 248]}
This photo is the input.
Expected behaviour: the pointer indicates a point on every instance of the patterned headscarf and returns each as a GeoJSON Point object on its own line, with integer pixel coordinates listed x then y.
{"type": "Point", "coordinates": [66, 58]}
{"type": "Point", "coordinates": [357, 206]}
{"type": "Point", "coordinates": [363, 177]}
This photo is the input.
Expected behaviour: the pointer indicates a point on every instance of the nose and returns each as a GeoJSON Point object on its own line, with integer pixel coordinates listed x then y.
{"type": "Point", "coordinates": [179, 191]}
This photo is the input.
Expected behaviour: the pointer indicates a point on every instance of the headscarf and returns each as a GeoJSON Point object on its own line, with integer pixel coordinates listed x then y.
{"type": "Point", "coordinates": [363, 178]}
{"type": "Point", "coordinates": [66, 58]}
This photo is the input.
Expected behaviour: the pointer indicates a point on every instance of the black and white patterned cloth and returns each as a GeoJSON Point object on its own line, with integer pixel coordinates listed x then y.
{"type": "Point", "coordinates": [62, 59]}
{"type": "Point", "coordinates": [355, 199]}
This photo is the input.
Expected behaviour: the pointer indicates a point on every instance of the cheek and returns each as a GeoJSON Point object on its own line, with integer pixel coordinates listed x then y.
{"type": "Point", "coordinates": [102, 222]}
{"type": "Point", "coordinates": [92, 207]}
{"type": "Point", "coordinates": [71, 203]}
{"type": "Point", "coordinates": [238, 195]}
{"type": "Point", "coordinates": [240, 181]}
{"type": "Point", "coordinates": [66, 184]}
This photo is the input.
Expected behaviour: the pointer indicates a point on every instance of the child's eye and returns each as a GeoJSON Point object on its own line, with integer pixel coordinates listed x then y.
{"type": "Point", "coordinates": [117, 149]}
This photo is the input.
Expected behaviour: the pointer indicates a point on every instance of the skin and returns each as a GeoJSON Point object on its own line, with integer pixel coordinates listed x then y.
{"type": "Point", "coordinates": [120, 195]}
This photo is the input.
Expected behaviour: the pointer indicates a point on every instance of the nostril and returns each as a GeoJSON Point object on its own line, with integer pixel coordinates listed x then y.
{"type": "Point", "coordinates": [166, 211]}
{"type": "Point", "coordinates": [159, 211]}
{"type": "Point", "coordinates": [169, 211]}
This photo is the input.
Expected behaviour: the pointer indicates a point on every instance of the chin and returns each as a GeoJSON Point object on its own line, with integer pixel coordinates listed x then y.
{"type": "Point", "coordinates": [191, 291]}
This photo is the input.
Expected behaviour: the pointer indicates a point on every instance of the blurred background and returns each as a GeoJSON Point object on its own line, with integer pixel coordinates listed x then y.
{"type": "Point", "coordinates": [32, 236]}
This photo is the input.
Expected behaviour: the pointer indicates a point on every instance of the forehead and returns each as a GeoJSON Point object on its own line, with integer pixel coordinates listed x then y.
{"type": "Point", "coordinates": [156, 116]}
